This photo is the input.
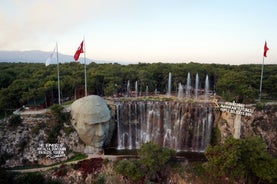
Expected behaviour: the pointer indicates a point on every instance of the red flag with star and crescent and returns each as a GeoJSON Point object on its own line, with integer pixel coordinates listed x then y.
{"type": "Point", "coordinates": [79, 51]}
{"type": "Point", "coordinates": [265, 49]}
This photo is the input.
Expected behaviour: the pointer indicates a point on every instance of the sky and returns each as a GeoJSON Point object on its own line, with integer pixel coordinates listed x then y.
{"type": "Point", "coordinates": [145, 31]}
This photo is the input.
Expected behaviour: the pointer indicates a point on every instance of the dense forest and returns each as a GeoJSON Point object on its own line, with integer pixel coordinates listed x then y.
{"type": "Point", "coordinates": [22, 83]}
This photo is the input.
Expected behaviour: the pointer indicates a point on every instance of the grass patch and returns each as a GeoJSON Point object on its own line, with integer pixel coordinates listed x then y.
{"type": "Point", "coordinates": [75, 157]}
{"type": "Point", "coordinates": [67, 103]}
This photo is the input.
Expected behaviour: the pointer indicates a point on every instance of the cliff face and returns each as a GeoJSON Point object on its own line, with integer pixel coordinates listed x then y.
{"type": "Point", "coordinates": [19, 145]}
{"type": "Point", "coordinates": [263, 123]}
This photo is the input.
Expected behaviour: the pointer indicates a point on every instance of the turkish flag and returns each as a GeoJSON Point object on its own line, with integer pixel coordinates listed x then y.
{"type": "Point", "coordinates": [79, 51]}
{"type": "Point", "coordinates": [265, 49]}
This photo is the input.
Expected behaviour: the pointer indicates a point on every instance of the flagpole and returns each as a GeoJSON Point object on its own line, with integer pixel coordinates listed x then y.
{"type": "Point", "coordinates": [261, 82]}
{"type": "Point", "coordinates": [58, 72]}
{"type": "Point", "coordinates": [86, 91]}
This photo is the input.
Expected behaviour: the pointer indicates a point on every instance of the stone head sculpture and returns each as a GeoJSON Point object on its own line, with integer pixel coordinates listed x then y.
{"type": "Point", "coordinates": [90, 117]}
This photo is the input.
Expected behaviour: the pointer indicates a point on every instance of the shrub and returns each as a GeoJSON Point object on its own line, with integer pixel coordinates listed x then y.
{"type": "Point", "coordinates": [22, 145]}
{"type": "Point", "coordinates": [4, 156]}
{"type": "Point", "coordinates": [61, 171]}
{"type": "Point", "coordinates": [61, 118]}
{"type": "Point", "coordinates": [56, 109]}
{"type": "Point", "coordinates": [92, 165]}
{"type": "Point", "coordinates": [151, 165]}
{"type": "Point", "coordinates": [154, 158]}
{"type": "Point", "coordinates": [15, 120]}
{"type": "Point", "coordinates": [30, 178]}
{"type": "Point", "coordinates": [130, 168]}
{"type": "Point", "coordinates": [242, 159]}
{"type": "Point", "coordinates": [260, 106]}
{"type": "Point", "coordinates": [100, 180]}
{"type": "Point", "coordinates": [215, 139]}
{"type": "Point", "coordinates": [6, 177]}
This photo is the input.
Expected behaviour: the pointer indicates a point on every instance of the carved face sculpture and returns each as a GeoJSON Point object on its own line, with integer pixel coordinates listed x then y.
{"type": "Point", "coordinates": [90, 117]}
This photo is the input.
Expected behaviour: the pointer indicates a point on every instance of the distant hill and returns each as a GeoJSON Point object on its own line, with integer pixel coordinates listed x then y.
{"type": "Point", "coordinates": [35, 56]}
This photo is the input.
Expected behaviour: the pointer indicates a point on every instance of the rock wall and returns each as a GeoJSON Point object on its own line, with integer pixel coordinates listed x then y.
{"type": "Point", "coordinates": [18, 145]}
{"type": "Point", "coordinates": [262, 123]}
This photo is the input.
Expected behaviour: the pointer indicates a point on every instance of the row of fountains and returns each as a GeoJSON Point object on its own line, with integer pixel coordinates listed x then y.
{"type": "Point", "coordinates": [188, 88]}
{"type": "Point", "coordinates": [177, 124]}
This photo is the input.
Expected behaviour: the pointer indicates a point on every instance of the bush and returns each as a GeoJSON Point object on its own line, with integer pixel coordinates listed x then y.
{"type": "Point", "coordinates": [100, 180]}
{"type": "Point", "coordinates": [53, 134]}
{"type": "Point", "coordinates": [61, 118]}
{"type": "Point", "coordinates": [154, 158]}
{"type": "Point", "coordinates": [151, 165]}
{"type": "Point", "coordinates": [30, 178]}
{"type": "Point", "coordinates": [130, 168]}
{"type": "Point", "coordinates": [22, 145]}
{"type": "Point", "coordinates": [15, 120]}
{"type": "Point", "coordinates": [61, 171]}
{"type": "Point", "coordinates": [242, 159]}
{"type": "Point", "coordinates": [216, 137]}
{"type": "Point", "coordinates": [56, 109]}
{"type": "Point", "coordinates": [3, 157]}
{"type": "Point", "coordinates": [6, 177]}
{"type": "Point", "coordinates": [260, 106]}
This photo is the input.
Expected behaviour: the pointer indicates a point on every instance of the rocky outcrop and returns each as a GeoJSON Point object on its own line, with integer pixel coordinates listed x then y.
{"type": "Point", "coordinates": [263, 123]}
{"type": "Point", "coordinates": [90, 117]}
{"type": "Point", "coordinates": [19, 145]}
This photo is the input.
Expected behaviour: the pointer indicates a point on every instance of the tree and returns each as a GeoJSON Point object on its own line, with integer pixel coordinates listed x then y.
{"type": "Point", "coordinates": [15, 120]}
{"type": "Point", "coordinates": [244, 159]}
{"type": "Point", "coordinates": [151, 165]}
{"type": "Point", "coordinates": [154, 158]}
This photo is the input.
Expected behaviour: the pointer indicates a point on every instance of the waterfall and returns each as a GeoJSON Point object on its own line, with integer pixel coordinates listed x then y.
{"type": "Point", "coordinates": [180, 91]}
{"type": "Point", "coordinates": [169, 85]}
{"type": "Point", "coordinates": [178, 125]}
{"type": "Point", "coordinates": [188, 87]}
{"type": "Point", "coordinates": [156, 92]}
{"type": "Point", "coordinates": [196, 86]}
{"type": "Point", "coordinates": [128, 89]}
{"type": "Point", "coordinates": [119, 130]}
{"type": "Point", "coordinates": [136, 89]}
{"type": "Point", "coordinates": [207, 88]}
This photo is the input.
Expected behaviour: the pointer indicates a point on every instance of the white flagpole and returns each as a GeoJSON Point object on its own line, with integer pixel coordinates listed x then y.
{"type": "Point", "coordinates": [58, 72]}
{"type": "Point", "coordinates": [261, 82]}
{"type": "Point", "coordinates": [84, 49]}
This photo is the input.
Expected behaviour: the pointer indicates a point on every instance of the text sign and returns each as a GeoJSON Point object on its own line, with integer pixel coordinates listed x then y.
{"type": "Point", "coordinates": [236, 108]}
{"type": "Point", "coordinates": [52, 150]}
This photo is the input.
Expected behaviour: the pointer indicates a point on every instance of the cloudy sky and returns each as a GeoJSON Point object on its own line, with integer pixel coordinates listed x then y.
{"type": "Point", "coordinates": [203, 31]}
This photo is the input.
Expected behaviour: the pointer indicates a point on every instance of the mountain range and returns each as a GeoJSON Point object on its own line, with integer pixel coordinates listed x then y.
{"type": "Point", "coordinates": [35, 56]}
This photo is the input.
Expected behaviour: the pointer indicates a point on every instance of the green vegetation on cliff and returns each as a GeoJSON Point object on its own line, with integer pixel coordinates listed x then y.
{"type": "Point", "coordinates": [241, 159]}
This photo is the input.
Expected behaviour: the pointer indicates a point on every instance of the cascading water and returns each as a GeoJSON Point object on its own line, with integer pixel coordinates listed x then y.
{"type": "Point", "coordinates": [196, 86]}
{"type": "Point", "coordinates": [180, 91]}
{"type": "Point", "coordinates": [128, 89]}
{"type": "Point", "coordinates": [169, 85]}
{"type": "Point", "coordinates": [178, 125]}
{"type": "Point", "coordinates": [188, 87]}
{"type": "Point", "coordinates": [136, 89]}
{"type": "Point", "coordinates": [155, 91]}
{"type": "Point", "coordinates": [207, 88]}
